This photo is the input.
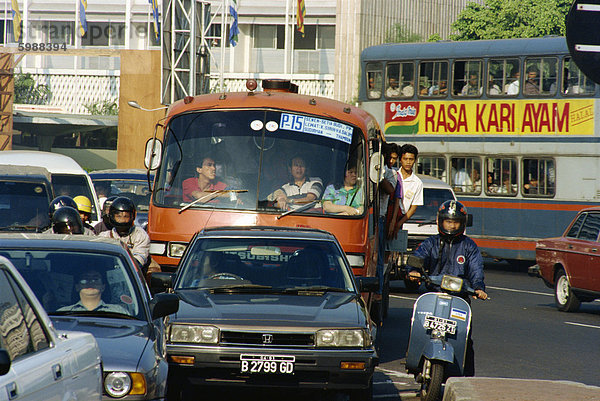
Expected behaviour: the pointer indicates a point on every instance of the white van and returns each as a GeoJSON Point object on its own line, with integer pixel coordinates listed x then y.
{"type": "Point", "coordinates": [68, 178]}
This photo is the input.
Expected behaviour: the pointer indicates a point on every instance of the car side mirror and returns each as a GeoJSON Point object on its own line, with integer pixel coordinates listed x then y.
{"type": "Point", "coordinates": [4, 362]}
{"type": "Point", "coordinates": [164, 304]}
{"type": "Point", "coordinates": [161, 282]}
{"type": "Point", "coordinates": [469, 220]}
{"type": "Point", "coordinates": [368, 284]}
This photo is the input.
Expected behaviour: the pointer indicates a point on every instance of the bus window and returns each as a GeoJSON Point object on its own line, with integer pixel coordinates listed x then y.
{"type": "Point", "coordinates": [501, 176]}
{"type": "Point", "coordinates": [374, 80]}
{"type": "Point", "coordinates": [433, 79]}
{"type": "Point", "coordinates": [467, 78]}
{"type": "Point", "coordinates": [574, 82]}
{"type": "Point", "coordinates": [466, 175]}
{"type": "Point", "coordinates": [503, 77]}
{"type": "Point", "coordinates": [400, 80]}
{"type": "Point", "coordinates": [540, 76]}
{"type": "Point", "coordinates": [434, 166]}
{"type": "Point", "coordinates": [538, 177]}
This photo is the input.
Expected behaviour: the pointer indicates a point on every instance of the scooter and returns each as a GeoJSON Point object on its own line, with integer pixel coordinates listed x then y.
{"type": "Point", "coordinates": [439, 331]}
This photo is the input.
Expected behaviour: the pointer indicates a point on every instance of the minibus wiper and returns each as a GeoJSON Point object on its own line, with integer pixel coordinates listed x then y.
{"type": "Point", "coordinates": [214, 194]}
{"type": "Point", "coordinates": [300, 209]}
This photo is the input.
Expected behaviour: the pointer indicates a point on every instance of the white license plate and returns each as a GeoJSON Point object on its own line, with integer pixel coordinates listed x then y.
{"type": "Point", "coordinates": [269, 364]}
{"type": "Point", "coordinates": [440, 324]}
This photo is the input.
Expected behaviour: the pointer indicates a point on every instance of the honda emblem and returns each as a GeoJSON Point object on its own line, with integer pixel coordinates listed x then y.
{"type": "Point", "coordinates": [267, 338]}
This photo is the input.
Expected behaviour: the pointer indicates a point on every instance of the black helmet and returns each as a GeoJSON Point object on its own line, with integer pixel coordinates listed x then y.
{"type": "Point", "coordinates": [59, 202]}
{"type": "Point", "coordinates": [451, 210]}
{"type": "Point", "coordinates": [105, 209]}
{"type": "Point", "coordinates": [66, 220]}
{"type": "Point", "coordinates": [122, 204]}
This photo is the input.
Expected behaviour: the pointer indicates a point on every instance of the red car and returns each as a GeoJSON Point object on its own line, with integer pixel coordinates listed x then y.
{"type": "Point", "coordinates": [571, 264]}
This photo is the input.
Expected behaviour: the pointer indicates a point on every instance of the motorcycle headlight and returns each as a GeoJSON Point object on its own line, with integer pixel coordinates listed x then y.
{"type": "Point", "coordinates": [183, 333]}
{"type": "Point", "coordinates": [342, 338]}
{"type": "Point", "coordinates": [451, 283]}
{"type": "Point", "coordinates": [120, 384]}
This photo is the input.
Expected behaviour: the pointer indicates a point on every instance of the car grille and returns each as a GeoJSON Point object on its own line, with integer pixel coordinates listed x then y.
{"type": "Point", "coordinates": [267, 339]}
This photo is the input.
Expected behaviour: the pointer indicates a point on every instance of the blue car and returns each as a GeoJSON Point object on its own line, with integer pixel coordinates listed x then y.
{"type": "Point", "coordinates": [92, 284]}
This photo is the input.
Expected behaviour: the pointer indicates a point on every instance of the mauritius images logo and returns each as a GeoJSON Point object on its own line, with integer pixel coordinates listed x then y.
{"type": "Point", "coordinates": [401, 118]}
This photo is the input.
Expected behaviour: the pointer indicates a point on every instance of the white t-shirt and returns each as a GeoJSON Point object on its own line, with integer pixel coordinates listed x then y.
{"type": "Point", "coordinates": [412, 189]}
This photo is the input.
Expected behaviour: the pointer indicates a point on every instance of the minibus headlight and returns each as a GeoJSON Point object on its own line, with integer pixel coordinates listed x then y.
{"type": "Point", "coordinates": [176, 249]}
{"type": "Point", "coordinates": [158, 248]}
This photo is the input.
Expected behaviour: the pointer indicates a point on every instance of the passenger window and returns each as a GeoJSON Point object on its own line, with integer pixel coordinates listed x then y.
{"type": "Point", "coordinates": [574, 82]}
{"type": "Point", "coordinates": [400, 80]}
{"type": "Point", "coordinates": [501, 175]}
{"type": "Point", "coordinates": [467, 78]}
{"type": "Point", "coordinates": [433, 79]}
{"type": "Point", "coordinates": [591, 227]}
{"type": "Point", "coordinates": [466, 175]}
{"type": "Point", "coordinates": [574, 230]}
{"type": "Point", "coordinates": [503, 77]}
{"type": "Point", "coordinates": [538, 177]}
{"type": "Point", "coordinates": [374, 80]}
{"type": "Point", "coordinates": [433, 166]}
{"type": "Point", "coordinates": [540, 76]}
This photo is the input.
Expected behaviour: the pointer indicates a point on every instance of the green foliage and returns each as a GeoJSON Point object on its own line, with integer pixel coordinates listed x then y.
{"type": "Point", "coordinates": [503, 19]}
{"type": "Point", "coordinates": [400, 34]}
{"type": "Point", "coordinates": [103, 108]}
{"type": "Point", "coordinates": [434, 38]}
{"type": "Point", "coordinates": [28, 92]}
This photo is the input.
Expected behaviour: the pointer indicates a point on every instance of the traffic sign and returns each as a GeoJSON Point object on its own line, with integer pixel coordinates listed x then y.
{"type": "Point", "coordinates": [583, 36]}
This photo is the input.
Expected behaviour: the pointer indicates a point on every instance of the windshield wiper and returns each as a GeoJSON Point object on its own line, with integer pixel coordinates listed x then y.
{"type": "Point", "coordinates": [300, 209]}
{"type": "Point", "coordinates": [212, 194]}
{"type": "Point", "coordinates": [237, 287]}
{"type": "Point", "coordinates": [15, 227]}
{"type": "Point", "coordinates": [313, 288]}
{"type": "Point", "coordinates": [92, 313]}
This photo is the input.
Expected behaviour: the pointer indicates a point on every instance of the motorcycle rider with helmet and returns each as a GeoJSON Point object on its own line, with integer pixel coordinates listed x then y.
{"type": "Point", "coordinates": [66, 220]}
{"type": "Point", "coordinates": [84, 206]}
{"type": "Point", "coordinates": [104, 224]}
{"type": "Point", "coordinates": [452, 252]}
{"type": "Point", "coordinates": [121, 216]}
{"type": "Point", "coordinates": [58, 203]}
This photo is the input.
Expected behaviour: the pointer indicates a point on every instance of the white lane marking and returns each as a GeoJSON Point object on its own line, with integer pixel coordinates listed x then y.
{"type": "Point", "coordinates": [523, 291]}
{"type": "Point", "coordinates": [394, 373]}
{"type": "Point", "coordinates": [583, 325]}
{"type": "Point", "coordinates": [401, 297]}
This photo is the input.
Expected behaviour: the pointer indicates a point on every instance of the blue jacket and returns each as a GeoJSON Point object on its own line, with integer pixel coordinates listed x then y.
{"type": "Point", "coordinates": [459, 258]}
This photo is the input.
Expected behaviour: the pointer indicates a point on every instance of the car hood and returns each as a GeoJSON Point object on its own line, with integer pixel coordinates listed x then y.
{"type": "Point", "coordinates": [327, 309]}
{"type": "Point", "coordinates": [122, 342]}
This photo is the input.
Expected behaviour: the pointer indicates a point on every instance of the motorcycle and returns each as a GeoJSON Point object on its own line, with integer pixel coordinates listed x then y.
{"type": "Point", "coordinates": [439, 332]}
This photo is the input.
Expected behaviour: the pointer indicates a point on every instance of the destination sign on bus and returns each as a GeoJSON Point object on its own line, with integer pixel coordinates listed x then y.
{"type": "Point", "coordinates": [541, 117]}
{"type": "Point", "coordinates": [316, 126]}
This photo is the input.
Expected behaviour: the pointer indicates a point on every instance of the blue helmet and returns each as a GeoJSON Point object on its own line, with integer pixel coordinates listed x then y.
{"type": "Point", "coordinates": [452, 210]}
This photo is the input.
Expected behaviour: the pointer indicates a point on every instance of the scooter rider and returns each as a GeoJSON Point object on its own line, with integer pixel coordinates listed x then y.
{"type": "Point", "coordinates": [452, 252]}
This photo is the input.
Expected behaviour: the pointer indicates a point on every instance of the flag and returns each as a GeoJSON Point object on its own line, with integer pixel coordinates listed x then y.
{"type": "Point", "coordinates": [16, 14]}
{"type": "Point", "coordinates": [233, 30]}
{"type": "Point", "coordinates": [82, 20]}
{"type": "Point", "coordinates": [156, 17]}
{"type": "Point", "coordinates": [300, 16]}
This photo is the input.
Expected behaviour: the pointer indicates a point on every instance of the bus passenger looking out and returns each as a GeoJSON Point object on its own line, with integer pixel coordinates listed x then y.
{"type": "Point", "coordinates": [532, 86]}
{"type": "Point", "coordinates": [472, 87]}
{"type": "Point", "coordinates": [393, 90]}
{"type": "Point", "coordinates": [204, 188]}
{"type": "Point", "coordinates": [300, 190]}
{"type": "Point", "coordinates": [493, 88]}
{"type": "Point", "coordinates": [347, 199]}
{"type": "Point", "coordinates": [513, 87]}
{"type": "Point", "coordinates": [409, 88]}
{"type": "Point", "coordinates": [439, 89]}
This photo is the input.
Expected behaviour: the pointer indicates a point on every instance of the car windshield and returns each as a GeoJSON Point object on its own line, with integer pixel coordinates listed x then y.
{"type": "Point", "coordinates": [79, 283]}
{"type": "Point", "coordinates": [23, 206]}
{"type": "Point", "coordinates": [432, 199]}
{"type": "Point", "coordinates": [73, 185]}
{"type": "Point", "coordinates": [134, 189]}
{"type": "Point", "coordinates": [266, 264]}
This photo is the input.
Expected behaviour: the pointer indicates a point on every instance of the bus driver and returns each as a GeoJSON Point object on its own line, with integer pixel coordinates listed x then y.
{"type": "Point", "coordinates": [205, 187]}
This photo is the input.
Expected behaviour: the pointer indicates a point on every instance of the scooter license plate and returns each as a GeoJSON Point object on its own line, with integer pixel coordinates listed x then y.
{"type": "Point", "coordinates": [440, 324]}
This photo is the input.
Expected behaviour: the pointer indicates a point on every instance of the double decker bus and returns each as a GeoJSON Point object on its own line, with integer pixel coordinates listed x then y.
{"type": "Point", "coordinates": [251, 139]}
{"type": "Point", "coordinates": [510, 124]}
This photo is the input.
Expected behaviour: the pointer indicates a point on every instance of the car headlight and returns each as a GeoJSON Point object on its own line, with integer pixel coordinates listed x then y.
{"type": "Point", "coordinates": [342, 338]}
{"type": "Point", "coordinates": [451, 283]}
{"type": "Point", "coordinates": [181, 333]}
{"type": "Point", "coordinates": [176, 249]}
{"type": "Point", "coordinates": [120, 384]}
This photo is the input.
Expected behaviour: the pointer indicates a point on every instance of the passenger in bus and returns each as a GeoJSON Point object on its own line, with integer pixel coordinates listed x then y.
{"type": "Point", "coordinates": [493, 88]}
{"type": "Point", "coordinates": [346, 200]}
{"type": "Point", "coordinates": [476, 180]}
{"type": "Point", "coordinates": [507, 186]}
{"type": "Point", "coordinates": [409, 89]}
{"type": "Point", "coordinates": [532, 85]}
{"type": "Point", "coordinates": [439, 89]}
{"type": "Point", "coordinates": [513, 87]}
{"type": "Point", "coordinates": [374, 92]}
{"type": "Point", "coordinates": [532, 186]}
{"type": "Point", "coordinates": [491, 185]}
{"type": "Point", "coordinates": [424, 86]}
{"type": "Point", "coordinates": [205, 188]}
{"type": "Point", "coordinates": [300, 190]}
{"type": "Point", "coordinates": [472, 87]}
{"type": "Point", "coordinates": [393, 90]}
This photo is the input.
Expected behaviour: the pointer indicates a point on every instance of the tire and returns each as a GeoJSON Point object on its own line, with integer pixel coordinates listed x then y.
{"type": "Point", "coordinates": [564, 298]}
{"type": "Point", "coordinates": [365, 394]}
{"type": "Point", "coordinates": [431, 389]}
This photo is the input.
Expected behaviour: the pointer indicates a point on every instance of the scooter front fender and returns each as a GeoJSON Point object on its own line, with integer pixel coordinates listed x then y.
{"type": "Point", "coordinates": [439, 350]}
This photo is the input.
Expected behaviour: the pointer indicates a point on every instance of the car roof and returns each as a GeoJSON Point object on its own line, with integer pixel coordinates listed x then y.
{"type": "Point", "coordinates": [432, 182]}
{"type": "Point", "coordinates": [124, 173]}
{"type": "Point", "coordinates": [53, 162]}
{"type": "Point", "coordinates": [61, 241]}
{"type": "Point", "coordinates": [31, 173]}
{"type": "Point", "coordinates": [267, 232]}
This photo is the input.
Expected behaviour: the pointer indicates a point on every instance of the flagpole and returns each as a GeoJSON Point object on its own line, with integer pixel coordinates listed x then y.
{"type": "Point", "coordinates": [24, 37]}
{"type": "Point", "coordinates": [294, 18]}
{"type": "Point", "coordinates": [286, 37]}
{"type": "Point", "coordinates": [223, 26]}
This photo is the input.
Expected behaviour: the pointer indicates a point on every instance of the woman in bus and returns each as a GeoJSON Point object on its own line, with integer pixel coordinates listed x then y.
{"type": "Point", "coordinates": [347, 199]}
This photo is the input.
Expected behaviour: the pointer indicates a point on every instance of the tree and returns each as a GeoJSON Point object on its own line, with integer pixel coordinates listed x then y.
{"type": "Point", "coordinates": [503, 19]}
{"type": "Point", "coordinates": [400, 34]}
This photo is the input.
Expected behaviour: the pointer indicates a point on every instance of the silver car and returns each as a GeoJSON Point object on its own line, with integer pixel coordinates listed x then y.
{"type": "Point", "coordinates": [37, 362]}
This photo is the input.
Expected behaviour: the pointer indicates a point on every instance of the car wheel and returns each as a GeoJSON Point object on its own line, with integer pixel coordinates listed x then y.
{"type": "Point", "coordinates": [565, 300]}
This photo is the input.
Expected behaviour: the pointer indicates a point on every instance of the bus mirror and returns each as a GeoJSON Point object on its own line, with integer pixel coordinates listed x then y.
{"type": "Point", "coordinates": [153, 154]}
{"type": "Point", "coordinates": [376, 167]}
{"type": "Point", "coordinates": [469, 220]}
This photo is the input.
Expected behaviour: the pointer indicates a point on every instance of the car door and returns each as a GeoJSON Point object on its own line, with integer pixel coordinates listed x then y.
{"type": "Point", "coordinates": [36, 368]}
{"type": "Point", "coordinates": [586, 249]}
